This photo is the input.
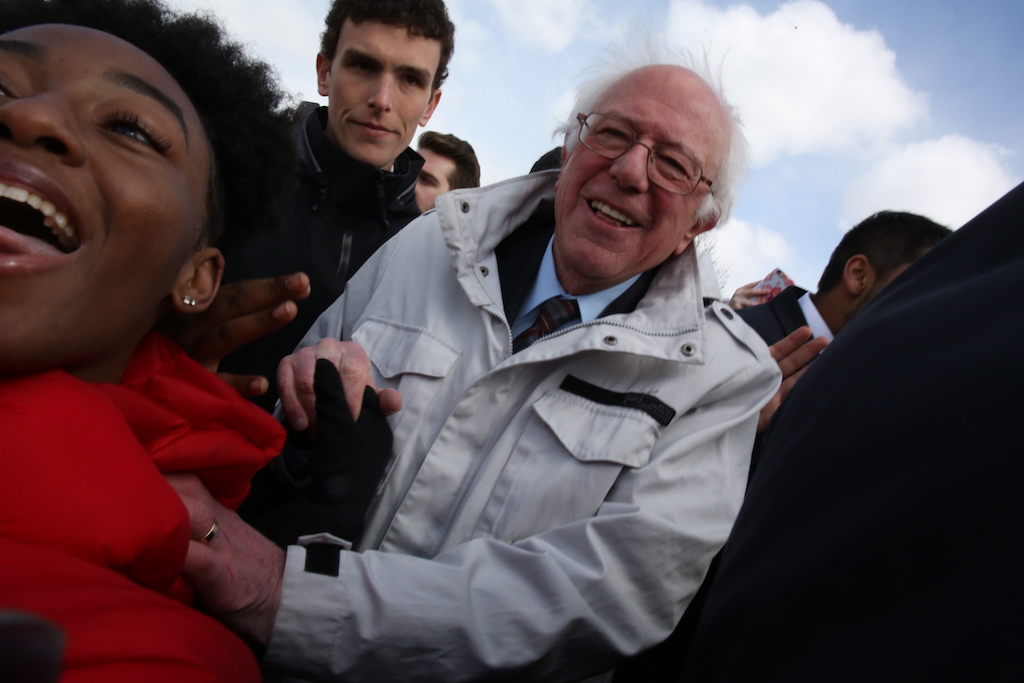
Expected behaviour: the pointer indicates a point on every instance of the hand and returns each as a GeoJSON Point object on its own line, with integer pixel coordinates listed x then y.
{"type": "Point", "coordinates": [745, 295]}
{"type": "Point", "coordinates": [349, 456]}
{"type": "Point", "coordinates": [295, 381]}
{"type": "Point", "coordinates": [793, 354]}
{"type": "Point", "coordinates": [238, 574]}
{"type": "Point", "coordinates": [242, 312]}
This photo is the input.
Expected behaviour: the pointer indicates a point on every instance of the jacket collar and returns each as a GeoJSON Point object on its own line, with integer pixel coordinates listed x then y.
{"type": "Point", "coordinates": [475, 221]}
{"type": "Point", "coordinates": [352, 182]}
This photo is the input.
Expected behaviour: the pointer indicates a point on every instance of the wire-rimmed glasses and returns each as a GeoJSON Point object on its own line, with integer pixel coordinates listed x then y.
{"type": "Point", "coordinates": [667, 167]}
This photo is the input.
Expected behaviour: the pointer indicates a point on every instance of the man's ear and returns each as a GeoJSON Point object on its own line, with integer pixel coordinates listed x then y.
{"type": "Point", "coordinates": [198, 282]}
{"type": "Point", "coordinates": [697, 228]}
{"type": "Point", "coordinates": [435, 97]}
{"type": "Point", "coordinates": [858, 275]}
{"type": "Point", "coordinates": [323, 72]}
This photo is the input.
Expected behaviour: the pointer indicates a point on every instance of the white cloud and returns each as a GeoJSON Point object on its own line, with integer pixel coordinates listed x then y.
{"type": "Point", "coordinates": [803, 81]}
{"type": "Point", "coordinates": [744, 252]}
{"type": "Point", "coordinates": [549, 25]}
{"type": "Point", "coordinates": [282, 32]}
{"type": "Point", "coordinates": [950, 180]}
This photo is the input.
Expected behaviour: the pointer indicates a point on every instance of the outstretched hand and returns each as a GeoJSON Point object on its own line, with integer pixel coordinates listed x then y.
{"type": "Point", "coordinates": [242, 312]}
{"type": "Point", "coordinates": [793, 354]}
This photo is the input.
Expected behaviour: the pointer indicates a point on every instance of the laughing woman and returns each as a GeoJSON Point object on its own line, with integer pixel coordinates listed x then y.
{"type": "Point", "coordinates": [135, 145]}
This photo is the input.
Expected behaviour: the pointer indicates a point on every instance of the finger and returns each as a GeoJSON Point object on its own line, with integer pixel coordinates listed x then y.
{"type": "Point", "coordinates": [331, 404]}
{"type": "Point", "coordinates": [790, 343]}
{"type": "Point", "coordinates": [248, 386]}
{"type": "Point", "coordinates": [390, 401]}
{"type": "Point", "coordinates": [286, 385]}
{"type": "Point", "coordinates": [201, 506]}
{"type": "Point", "coordinates": [801, 356]}
{"type": "Point", "coordinates": [354, 369]}
{"type": "Point", "coordinates": [228, 335]}
{"type": "Point", "coordinates": [246, 297]}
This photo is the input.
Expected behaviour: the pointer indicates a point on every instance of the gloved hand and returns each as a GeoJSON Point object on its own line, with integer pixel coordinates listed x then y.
{"type": "Point", "coordinates": [349, 457]}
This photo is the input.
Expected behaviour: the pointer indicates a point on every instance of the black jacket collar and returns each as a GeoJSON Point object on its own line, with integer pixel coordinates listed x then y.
{"type": "Point", "coordinates": [356, 184]}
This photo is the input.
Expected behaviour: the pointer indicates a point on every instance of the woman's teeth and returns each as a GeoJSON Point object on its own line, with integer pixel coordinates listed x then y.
{"type": "Point", "coordinates": [53, 219]}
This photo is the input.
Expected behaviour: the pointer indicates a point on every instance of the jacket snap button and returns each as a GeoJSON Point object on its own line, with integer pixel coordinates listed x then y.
{"type": "Point", "coordinates": [484, 271]}
{"type": "Point", "coordinates": [465, 207]}
{"type": "Point", "coordinates": [611, 341]}
{"type": "Point", "coordinates": [688, 350]}
{"type": "Point", "coordinates": [727, 313]}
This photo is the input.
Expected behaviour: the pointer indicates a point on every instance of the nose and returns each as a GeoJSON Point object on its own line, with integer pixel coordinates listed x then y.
{"type": "Point", "coordinates": [381, 97]}
{"type": "Point", "coordinates": [41, 122]}
{"type": "Point", "coordinates": [630, 169]}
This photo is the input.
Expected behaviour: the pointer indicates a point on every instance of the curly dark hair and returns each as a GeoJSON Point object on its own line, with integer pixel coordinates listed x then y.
{"type": "Point", "coordinates": [424, 18]}
{"type": "Point", "coordinates": [237, 98]}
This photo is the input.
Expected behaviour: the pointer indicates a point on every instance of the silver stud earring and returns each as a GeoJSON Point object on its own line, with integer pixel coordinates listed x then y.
{"type": "Point", "coordinates": [188, 300]}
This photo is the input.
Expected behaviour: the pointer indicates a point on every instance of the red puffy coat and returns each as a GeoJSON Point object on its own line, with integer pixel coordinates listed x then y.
{"type": "Point", "coordinates": [92, 536]}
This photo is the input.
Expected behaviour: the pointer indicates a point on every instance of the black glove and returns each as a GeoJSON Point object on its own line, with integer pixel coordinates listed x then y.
{"type": "Point", "coordinates": [349, 457]}
{"type": "Point", "coordinates": [324, 483]}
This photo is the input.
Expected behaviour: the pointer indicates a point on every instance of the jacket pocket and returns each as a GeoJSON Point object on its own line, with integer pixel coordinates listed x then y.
{"type": "Point", "coordinates": [565, 463]}
{"type": "Point", "coordinates": [397, 349]}
{"type": "Point", "coordinates": [411, 360]}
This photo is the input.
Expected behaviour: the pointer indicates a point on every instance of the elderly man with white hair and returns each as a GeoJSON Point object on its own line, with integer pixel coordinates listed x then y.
{"type": "Point", "coordinates": [576, 424]}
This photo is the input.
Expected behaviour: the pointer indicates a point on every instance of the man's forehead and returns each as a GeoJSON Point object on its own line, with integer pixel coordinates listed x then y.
{"type": "Point", "coordinates": [396, 41]}
{"type": "Point", "coordinates": [673, 104]}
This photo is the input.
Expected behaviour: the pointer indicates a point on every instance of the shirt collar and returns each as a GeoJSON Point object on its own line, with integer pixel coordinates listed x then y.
{"type": "Point", "coordinates": [546, 286]}
{"type": "Point", "coordinates": [814, 320]}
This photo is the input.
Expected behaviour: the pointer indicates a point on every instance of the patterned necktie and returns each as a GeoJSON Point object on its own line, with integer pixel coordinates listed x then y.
{"type": "Point", "coordinates": [554, 313]}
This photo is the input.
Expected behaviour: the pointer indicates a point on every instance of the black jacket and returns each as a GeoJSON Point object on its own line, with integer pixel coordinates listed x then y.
{"type": "Point", "coordinates": [777, 318]}
{"type": "Point", "coordinates": [342, 211]}
{"type": "Point", "coordinates": [880, 537]}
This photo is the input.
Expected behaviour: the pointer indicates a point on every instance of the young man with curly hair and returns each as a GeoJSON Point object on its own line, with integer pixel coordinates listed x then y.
{"type": "Point", "coordinates": [381, 65]}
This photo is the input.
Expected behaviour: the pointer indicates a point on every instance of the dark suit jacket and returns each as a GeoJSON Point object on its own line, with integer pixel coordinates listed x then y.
{"type": "Point", "coordinates": [882, 537]}
{"type": "Point", "coordinates": [778, 318]}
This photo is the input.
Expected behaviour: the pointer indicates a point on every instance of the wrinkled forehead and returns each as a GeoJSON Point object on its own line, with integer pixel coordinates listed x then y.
{"type": "Point", "coordinates": [674, 106]}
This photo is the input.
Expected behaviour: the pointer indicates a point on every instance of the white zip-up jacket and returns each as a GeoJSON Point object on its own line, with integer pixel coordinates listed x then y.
{"type": "Point", "coordinates": [545, 513]}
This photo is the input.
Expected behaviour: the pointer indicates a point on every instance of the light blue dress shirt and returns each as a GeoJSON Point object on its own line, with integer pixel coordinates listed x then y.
{"type": "Point", "coordinates": [546, 286]}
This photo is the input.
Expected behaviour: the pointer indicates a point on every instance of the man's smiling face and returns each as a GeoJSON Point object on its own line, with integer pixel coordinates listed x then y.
{"type": "Point", "coordinates": [611, 222]}
{"type": "Point", "coordinates": [379, 90]}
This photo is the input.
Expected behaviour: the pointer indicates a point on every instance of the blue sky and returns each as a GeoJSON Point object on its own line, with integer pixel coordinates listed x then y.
{"type": "Point", "coordinates": [851, 106]}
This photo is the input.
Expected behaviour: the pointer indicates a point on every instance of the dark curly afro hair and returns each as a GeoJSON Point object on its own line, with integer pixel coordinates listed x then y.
{"type": "Point", "coordinates": [237, 98]}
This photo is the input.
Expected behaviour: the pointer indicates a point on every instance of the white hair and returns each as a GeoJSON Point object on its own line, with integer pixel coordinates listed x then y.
{"type": "Point", "coordinates": [647, 51]}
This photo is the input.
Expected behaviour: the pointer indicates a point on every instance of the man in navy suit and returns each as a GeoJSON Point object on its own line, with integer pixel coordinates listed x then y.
{"type": "Point", "coordinates": [880, 538]}
{"type": "Point", "coordinates": [869, 256]}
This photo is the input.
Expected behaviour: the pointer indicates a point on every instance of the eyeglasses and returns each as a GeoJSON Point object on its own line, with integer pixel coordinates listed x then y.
{"type": "Point", "coordinates": [667, 167]}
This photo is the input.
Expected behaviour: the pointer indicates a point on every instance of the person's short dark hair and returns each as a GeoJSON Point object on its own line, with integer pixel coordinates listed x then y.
{"type": "Point", "coordinates": [423, 18]}
{"type": "Point", "coordinates": [237, 98]}
{"type": "Point", "coordinates": [547, 161]}
{"type": "Point", "coordinates": [888, 239]}
{"type": "Point", "coordinates": [467, 168]}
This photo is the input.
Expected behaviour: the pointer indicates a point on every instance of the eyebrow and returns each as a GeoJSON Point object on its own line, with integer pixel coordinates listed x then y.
{"type": "Point", "coordinates": [423, 74]}
{"type": "Point", "coordinates": [24, 49]}
{"type": "Point", "coordinates": [138, 85]}
{"type": "Point", "coordinates": [38, 53]}
{"type": "Point", "coordinates": [677, 144]}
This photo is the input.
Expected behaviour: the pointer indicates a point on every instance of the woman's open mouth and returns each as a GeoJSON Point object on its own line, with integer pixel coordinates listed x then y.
{"type": "Point", "coordinates": [33, 216]}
